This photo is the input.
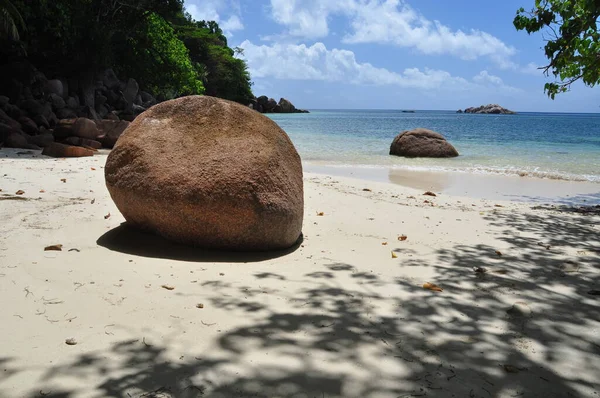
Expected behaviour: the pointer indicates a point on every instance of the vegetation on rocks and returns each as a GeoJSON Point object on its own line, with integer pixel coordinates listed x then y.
{"type": "Point", "coordinates": [153, 41]}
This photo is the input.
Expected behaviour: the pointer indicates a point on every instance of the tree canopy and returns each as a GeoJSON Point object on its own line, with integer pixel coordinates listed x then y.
{"type": "Point", "coordinates": [152, 41]}
{"type": "Point", "coordinates": [570, 28]}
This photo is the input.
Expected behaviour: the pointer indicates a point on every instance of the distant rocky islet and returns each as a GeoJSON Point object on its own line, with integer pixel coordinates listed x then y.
{"type": "Point", "coordinates": [263, 104]}
{"type": "Point", "coordinates": [490, 109]}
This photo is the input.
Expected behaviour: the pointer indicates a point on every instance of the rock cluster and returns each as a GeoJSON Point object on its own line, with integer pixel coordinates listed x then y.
{"type": "Point", "coordinates": [494, 109]}
{"type": "Point", "coordinates": [36, 111]}
{"type": "Point", "coordinates": [211, 173]}
{"type": "Point", "coordinates": [422, 143]}
{"type": "Point", "coordinates": [263, 104]}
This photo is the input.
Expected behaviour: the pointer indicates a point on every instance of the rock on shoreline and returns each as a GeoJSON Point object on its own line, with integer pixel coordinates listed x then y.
{"type": "Point", "coordinates": [491, 109]}
{"type": "Point", "coordinates": [263, 104]}
{"type": "Point", "coordinates": [420, 143]}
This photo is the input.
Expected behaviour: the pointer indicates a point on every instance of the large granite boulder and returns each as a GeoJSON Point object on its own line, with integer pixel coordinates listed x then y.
{"type": "Point", "coordinates": [110, 131]}
{"type": "Point", "coordinates": [57, 150]}
{"type": "Point", "coordinates": [16, 140]}
{"type": "Point", "coordinates": [286, 106]}
{"type": "Point", "coordinates": [210, 173]}
{"type": "Point", "coordinates": [422, 143]}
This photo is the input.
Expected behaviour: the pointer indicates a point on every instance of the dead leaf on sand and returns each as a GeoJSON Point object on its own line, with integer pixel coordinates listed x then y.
{"type": "Point", "coordinates": [63, 179]}
{"type": "Point", "coordinates": [384, 243]}
{"type": "Point", "coordinates": [199, 305]}
{"type": "Point", "coordinates": [320, 213]}
{"type": "Point", "coordinates": [394, 255]}
{"type": "Point", "coordinates": [57, 248]}
{"type": "Point", "coordinates": [499, 253]}
{"type": "Point", "coordinates": [402, 238]}
{"type": "Point", "coordinates": [93, 168]}
{"type": "Point", "coordinates": [429, 193]}
{"type": "Point", "coordinates": [367, 190]}
{"type": "Point", "coordinates": [498, 206]}
{"type": "Point", "coordinates": [93, 201]}
{"type": "Point", "coordinates": [19, 192]}
{"type": "Point", "coordinates": [106, 217]}
{"type": "Point", "coordinates": [71, 341]}
{"type": "Point", "coordinates": [432, 287]}
{"type": "Point", "coordinates": [168, 287]}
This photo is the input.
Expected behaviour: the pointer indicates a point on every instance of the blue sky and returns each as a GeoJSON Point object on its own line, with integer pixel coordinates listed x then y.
{"type": "Point", "coordinates": [391, 54]}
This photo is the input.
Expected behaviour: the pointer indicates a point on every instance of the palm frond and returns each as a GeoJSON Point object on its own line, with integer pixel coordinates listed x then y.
{"type": "Point", "coordinates": [10, 20]}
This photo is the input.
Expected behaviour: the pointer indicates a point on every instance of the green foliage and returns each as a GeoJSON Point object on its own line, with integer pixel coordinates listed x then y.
{"type": "Point", "coordinates": [159, 60]}
{"type": "Point", "coordinates": [152, 41]}
{"type": "Point", "coordinates": [224, 75]}
{"type": "Point", "coordinates": [573, 40]}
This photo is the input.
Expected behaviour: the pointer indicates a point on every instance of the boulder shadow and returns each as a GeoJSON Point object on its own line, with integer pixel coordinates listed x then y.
{"type": "Point", "coordinates": [132, 241]}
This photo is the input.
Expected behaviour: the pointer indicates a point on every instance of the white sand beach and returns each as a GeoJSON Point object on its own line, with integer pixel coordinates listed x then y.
{"type": "Point", "coordinates": [344, 314]}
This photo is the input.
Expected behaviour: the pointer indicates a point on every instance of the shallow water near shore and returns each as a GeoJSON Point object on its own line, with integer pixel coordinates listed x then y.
{"type": "Point", "coordinates": [473, 185]}
{"type": "Point", "coordinates": [551, 146]}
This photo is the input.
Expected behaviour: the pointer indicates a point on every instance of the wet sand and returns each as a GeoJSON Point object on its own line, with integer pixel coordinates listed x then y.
{"type": "Point", "coordinates": [482, 186]}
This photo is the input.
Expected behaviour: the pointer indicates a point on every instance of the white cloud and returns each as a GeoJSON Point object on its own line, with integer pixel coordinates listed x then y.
{"type": "Point", "coordinates": [233, 23]}
{"type": "Point", "coordinates": [485, 78]}
{"type": "Point", "coordinates": [316, 62]}
{"type": "Point", "coordinates": [389, 21]}
{"type": "Point", "coordinates": [225, 12]}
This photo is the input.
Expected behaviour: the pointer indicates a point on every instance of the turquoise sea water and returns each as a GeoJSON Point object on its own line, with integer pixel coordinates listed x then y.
{"type": "Point", "coordinates": [546, 145]}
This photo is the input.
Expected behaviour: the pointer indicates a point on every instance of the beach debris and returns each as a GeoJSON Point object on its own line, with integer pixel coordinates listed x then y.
{"type": "Point", "coordinates": [498, 206]}
{"type": "Point", "coordinates": [394, 255]}
{"type": "Point", "coordinates": [432, 287]}
{"type": "Point", "coordinates": [200, 305]}
{"type": "Point", "coordinates": [499, 271]}
{"type": "Point", "coordinates": [168, 287]}
{"type": "Point", "coordinates": [75, 250]}
{"type": "Point", "coordinates": [594, 292]}
{"type": "Point", "coordinates": [429, 193]}
{"type": "Point", "coordinates": [57, 248]}
{"type": "Point", "coordinates": [367, 190]}
{"type": "Point", "coordinates": [512, 369]}
{"type": "Point", "coordinates": [93, 201]}
{"type": "Point", "coordinates": [569, 266]}
{"type": "Point", "coordinates": [384, 243]}
{"type": "Point", "coordinates": [519, 309]}
{"type": "Point", "coordinates": [480, 270]}
{"type": "Point", "coordinates": [42, 191]}
{"type": "Point", "coordinates": [63, 179]}
{"type": "Point", "coordinates": [320, 213]}
{"type": "Point", "coordinates": [71, 341]}
{"type": "Point", "coordinates": [402, 238]}
{"type": "Point", "coordinates": [19, 192]}
{"type": "Point", "coordinates": [93, 168]}
{"type": "Point", "coordinates": [544, 245]}
{"type": "Point", "coordinates": [106, 217]}
{"type": "Point", "coordinates": [221, 274]}
{"type": "Point", "coordinates": [499, 253]}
